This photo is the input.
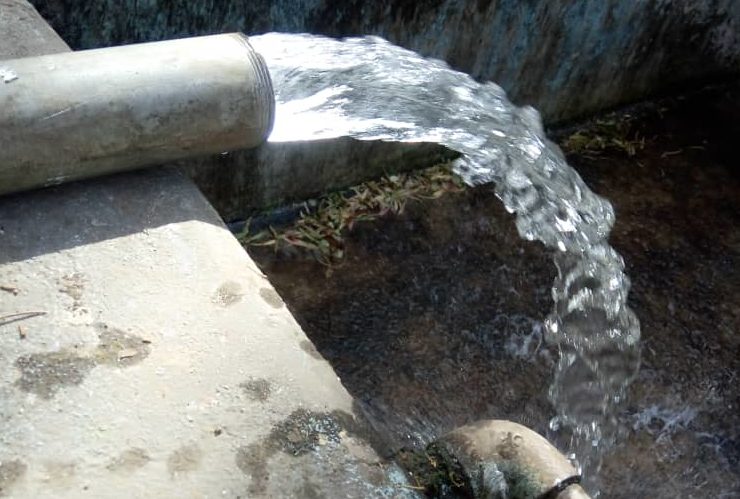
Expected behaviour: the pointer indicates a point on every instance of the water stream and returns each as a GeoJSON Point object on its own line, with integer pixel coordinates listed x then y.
{"type": "Point", "coordinates": [369, 89]}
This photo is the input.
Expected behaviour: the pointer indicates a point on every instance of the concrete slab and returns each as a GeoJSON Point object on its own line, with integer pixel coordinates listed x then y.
{"type": "Point", "coordinates": [143, 354]}
{"type": "Point", "coordinates": [23, 32]}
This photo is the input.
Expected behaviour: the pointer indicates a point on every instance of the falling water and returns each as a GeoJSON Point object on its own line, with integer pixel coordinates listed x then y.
{"type": "Point", "coordinates": [369, 89]}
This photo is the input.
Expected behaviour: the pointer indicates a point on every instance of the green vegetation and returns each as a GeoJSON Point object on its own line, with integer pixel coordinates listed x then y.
{"type": "Point", "coordinates": [321, 231]}
{"type": "Point", "coordinates": [435, 472]}
{"type": "Point", "coordinates": [613, 133]}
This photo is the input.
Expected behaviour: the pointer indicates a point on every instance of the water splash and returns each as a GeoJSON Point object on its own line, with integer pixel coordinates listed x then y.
{"type": "Point", "coordinates": [369, 89]}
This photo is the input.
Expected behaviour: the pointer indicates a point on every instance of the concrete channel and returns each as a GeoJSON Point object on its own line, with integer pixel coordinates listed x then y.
{"type": "Point", "coordinates": [144, 354]}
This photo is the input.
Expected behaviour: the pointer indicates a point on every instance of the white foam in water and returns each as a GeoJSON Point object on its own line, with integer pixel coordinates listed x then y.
{"type": "Point", "coordinates": [369, 89]}
{"type": "Point", "coordinates": [663, 421]}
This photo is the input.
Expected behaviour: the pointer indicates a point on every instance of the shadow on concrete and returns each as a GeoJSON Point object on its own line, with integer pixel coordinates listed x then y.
{"type": "Point", "coordinates": [86, 212]}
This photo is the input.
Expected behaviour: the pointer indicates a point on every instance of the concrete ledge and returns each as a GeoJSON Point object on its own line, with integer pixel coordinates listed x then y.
{"type": "Point", "coordinates": [143, 354]}
{"type": "Point", "coordinates": [239, 183]}
{"type": "Point", "coordinates": [23, 32]}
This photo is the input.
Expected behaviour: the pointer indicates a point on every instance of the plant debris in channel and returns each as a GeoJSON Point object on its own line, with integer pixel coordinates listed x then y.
{"type": "Point", "coordinates": [321, 230]}
{"type": "Point", "coordinates": [612, 133]}
{"type": "Point", "coordinates": [436, 473]}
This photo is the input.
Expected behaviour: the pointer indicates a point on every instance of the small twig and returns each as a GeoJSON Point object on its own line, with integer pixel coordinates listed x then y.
{"type": "Point", "coordinates": [10, 289]}
{"type": "Point", "coordinates": [539, 344]}
{"type": "Point", "coordinates": [412, 487]}
{"type": "Point", "coordinates": [21, 333]}
{"type": "Point", "coordinates": [455, 480]}
{"type": "Point", "coordinates": [19, 316]}
{"type": "Point", "coordinates": [671, 153]}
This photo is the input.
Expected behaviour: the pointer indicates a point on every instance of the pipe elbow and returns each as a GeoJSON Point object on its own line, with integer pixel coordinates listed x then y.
{"type": "Point", "coordinates": [506, 459]}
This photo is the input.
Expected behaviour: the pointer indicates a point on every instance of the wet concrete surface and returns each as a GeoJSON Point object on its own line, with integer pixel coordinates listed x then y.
{"type": "Point", "coordinates": [143, 354]}
{"type": "Point", "coordinates": [433, 320]}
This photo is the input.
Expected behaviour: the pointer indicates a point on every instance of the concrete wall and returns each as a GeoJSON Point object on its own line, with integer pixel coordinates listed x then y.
{"type": "Point", "coordinates": [567, 58]}
{"type": "Point", "coordinates": [242, 182]}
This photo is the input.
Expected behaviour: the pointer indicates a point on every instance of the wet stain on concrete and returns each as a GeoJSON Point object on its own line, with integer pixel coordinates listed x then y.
{"type": "Point", "coordinates": [228, 294]}
{"type": "Point", "coordinates": [310, 349]}
{"type": "Point", "coordinates": [300, 433]}
{"type": "Point", "coordinates": [252, 461]}
{"type": "Point", "coordinates": [45, 373]}
{"type": "Point", "coordinates": [184, 460]}
{"type": "Point", "coordinates": [303, 431]}
{"type": "Point", "coordinates": [118, 348]}
{"type": "Point", "coordinates": [60, 473]}
{"type": "Point", "coordinates": [10, 472]}
{"type": "Point", "coordinates": [309, 490]}
{"type": "Point", "coordinates": [129, 460]}
{"type": "Point", "coordinates": [73, 286]}
{"type": "Point", "coordinates": [258, 389]}
{"type": "Point", "coordinates": [271, 297]}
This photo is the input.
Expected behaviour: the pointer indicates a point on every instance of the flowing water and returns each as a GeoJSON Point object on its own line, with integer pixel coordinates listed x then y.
{"type": "Point", "coordinates": [369, 89]}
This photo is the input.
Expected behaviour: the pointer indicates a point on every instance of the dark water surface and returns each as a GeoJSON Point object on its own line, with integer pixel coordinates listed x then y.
{"type": "Point", "coordinates": [434, 318]}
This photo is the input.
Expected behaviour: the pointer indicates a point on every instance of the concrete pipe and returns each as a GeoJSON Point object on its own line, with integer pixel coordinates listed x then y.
{"type": "Point", "coordinates": [82, 114]}
{"type": "Point", "coordinates": [497, 454]}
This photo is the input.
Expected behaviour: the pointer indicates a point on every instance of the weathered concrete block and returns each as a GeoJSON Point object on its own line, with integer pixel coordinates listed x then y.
{"type": "Point", "coordinates": [565, 58]}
